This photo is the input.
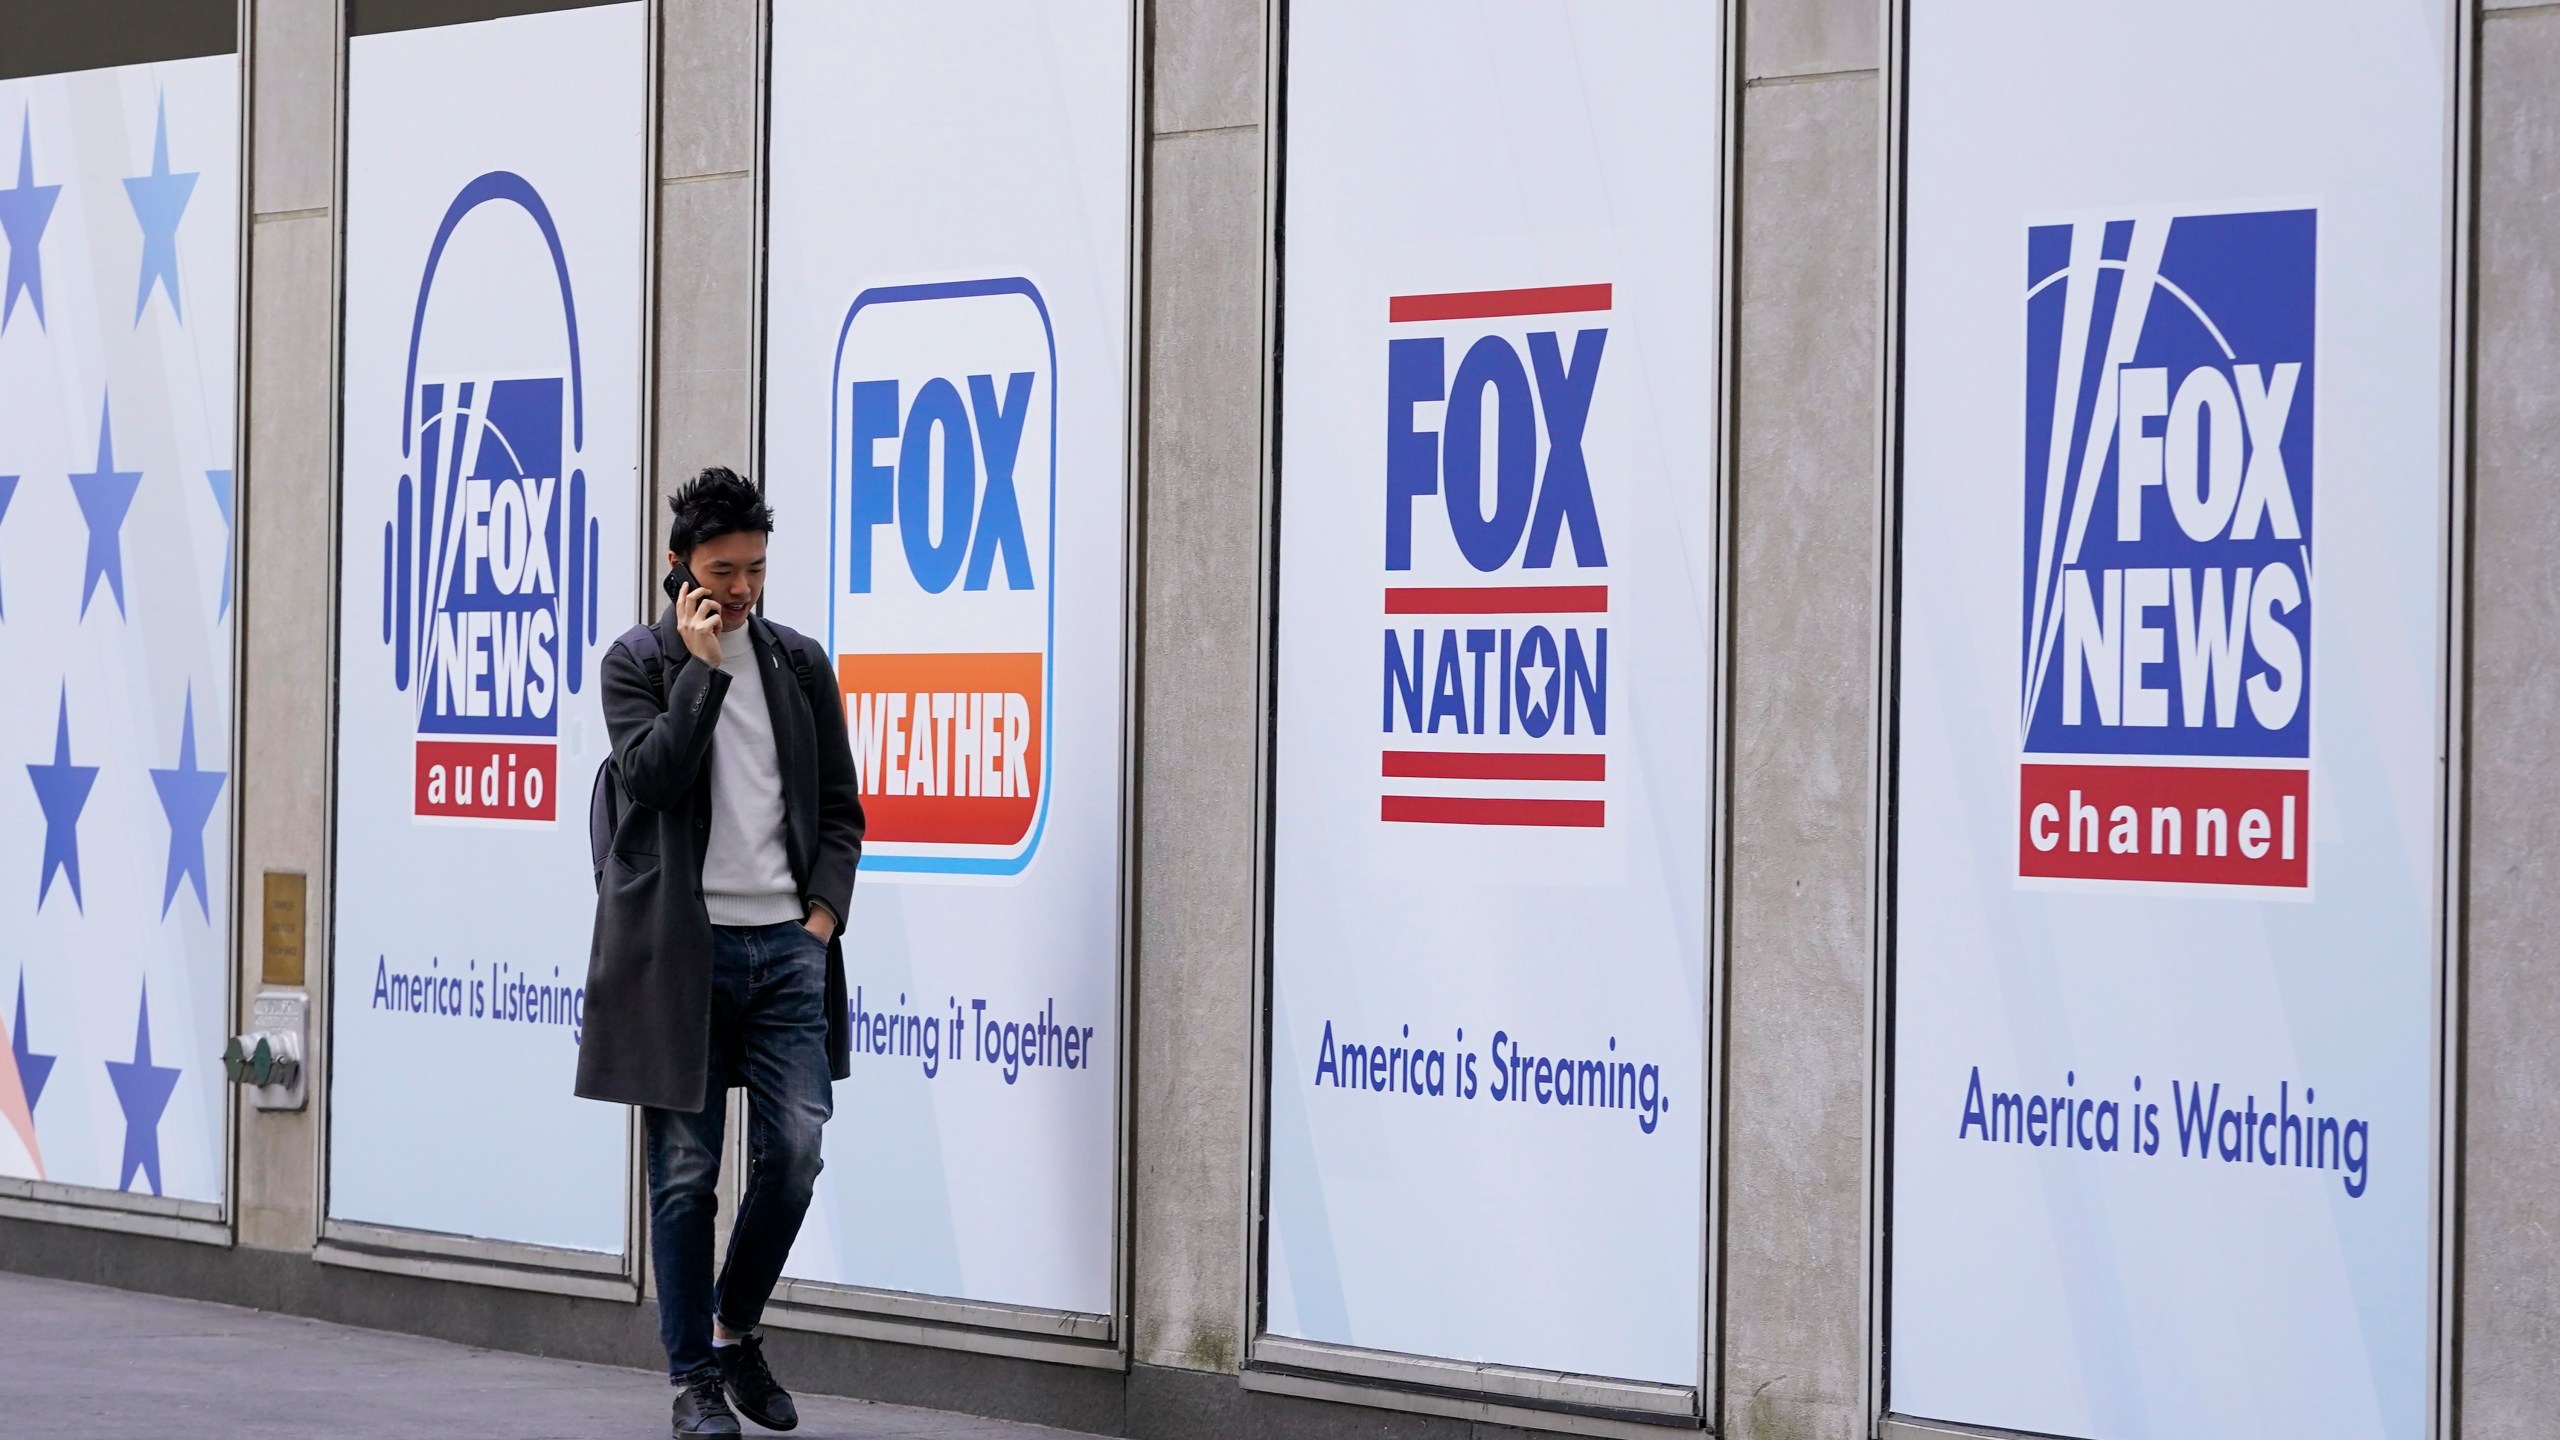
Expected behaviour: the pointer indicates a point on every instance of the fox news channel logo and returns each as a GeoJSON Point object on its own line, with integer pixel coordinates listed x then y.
{"type": "Point", "coordinates": [1495, 685]}
{"type": "Point", "coordinates": [490, 557]}
{"type": "Point", "coordinates": [944, 493]}
{"type": "Point", "coordinates": [2167, 598]}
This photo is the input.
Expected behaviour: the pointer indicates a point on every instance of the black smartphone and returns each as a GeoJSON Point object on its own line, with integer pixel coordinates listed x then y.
{"type": "Point", "coordinates": [679, 577]}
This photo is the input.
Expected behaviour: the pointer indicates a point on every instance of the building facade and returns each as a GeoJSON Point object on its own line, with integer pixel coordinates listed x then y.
{"type": "Point", "coordinates": [1767, 1033]}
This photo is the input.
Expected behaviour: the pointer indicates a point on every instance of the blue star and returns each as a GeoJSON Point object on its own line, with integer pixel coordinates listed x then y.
{"type": "Point", "coordinates": [9, 488]}
{"type": "Point", "coordinates": [220, 480]}
{"type": "Point", "coordinates": [24, 210]}
{"type": "Point", "coordinates": [186, 797]}
{"type": "Point", "coordinates": [62, 790]}
{"type": "Point", "coordinates": [105, 494]}
{"type": "Point", "coordinates": [32, 1068]}
{"type": "Point", "coordinates": [142, 1088]}
{"type": "Point", "coordinates": [159, 202]}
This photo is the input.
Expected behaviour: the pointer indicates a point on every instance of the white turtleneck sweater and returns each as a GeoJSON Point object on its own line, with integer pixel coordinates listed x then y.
{"type": "Point", "coordinates": [746, 871]}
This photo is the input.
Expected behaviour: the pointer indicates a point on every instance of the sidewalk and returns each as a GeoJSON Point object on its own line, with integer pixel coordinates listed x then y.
{"type": "Point", "coordinates": [111, 1365]}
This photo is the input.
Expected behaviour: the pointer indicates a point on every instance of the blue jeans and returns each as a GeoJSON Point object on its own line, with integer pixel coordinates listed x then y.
{"type": "Point", "coordinates": [768, 1033]}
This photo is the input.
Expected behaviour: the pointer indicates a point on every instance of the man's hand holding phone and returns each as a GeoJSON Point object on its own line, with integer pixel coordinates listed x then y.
{"type": "Point", "coordinates": [698, 621]}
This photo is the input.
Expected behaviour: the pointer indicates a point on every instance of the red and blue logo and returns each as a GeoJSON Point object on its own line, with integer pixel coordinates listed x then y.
{"type": "Point", "coordinates": [489, 560]}
{"type": "Point", "coordinates": [943, 536]}
{"type": "Point", "coordinates": [2165, 644]}
{"type": "Point", "coordinates": [1495, 684]}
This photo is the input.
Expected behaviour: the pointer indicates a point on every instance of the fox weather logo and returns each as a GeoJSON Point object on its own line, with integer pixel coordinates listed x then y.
{"type": "Point", "coordinates": [490, 556]}
{"type": "Point", "coordinates": [944, 525]}
{"type": "Point", "coordinates": [2165, 644]}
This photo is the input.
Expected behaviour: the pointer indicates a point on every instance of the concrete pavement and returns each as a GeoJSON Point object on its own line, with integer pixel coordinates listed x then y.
{"type": "Point", "coordinates": [113, 1365]}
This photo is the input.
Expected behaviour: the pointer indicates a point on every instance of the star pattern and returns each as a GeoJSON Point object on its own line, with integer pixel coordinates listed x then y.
{"type": "Point", "coordinates": [142, 1088]}
{"type": "Point", "coordinates": [105, 494]}
{"type": "Point", "coordinates": [1536, 698]}
{"type": "Point", "coordinates": [62, 792]}
{"type": "Point", "coordinates": [220, 480]}
{"type": "Point", "coordinates": [8, 490]}
{"type": "Point", "coordinates": [159, 203]}
{"type": "Point", "coordinates": [32, 1068]}
{"type": "Point", "coordinates": [25, 209]}
{"type": "Point", "coordinates": [121, 736]}
{"type": "Point", "coordinates": [186, 797]}
{"type": "Point", "coordinates": [21, 1083]}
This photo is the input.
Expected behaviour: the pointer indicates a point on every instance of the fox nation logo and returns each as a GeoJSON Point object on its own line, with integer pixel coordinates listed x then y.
{"type": "Point", "coordinates": [943, 623]}
{"type": "Point", "coordinates": [1495, 683]}
{"type": "Point", "coordinates": [489, 560]}
{"type": "Point", "coordinates": [2167, 597]}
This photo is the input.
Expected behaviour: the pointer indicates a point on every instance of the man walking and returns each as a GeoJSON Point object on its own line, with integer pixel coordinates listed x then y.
{"type": "Point", "coordinates": [717, 958]}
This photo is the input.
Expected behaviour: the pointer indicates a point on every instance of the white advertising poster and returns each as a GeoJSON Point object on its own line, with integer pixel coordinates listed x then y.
{"type": "Point", "coordinates": [946, 451]}
{"type": "Point", "coordinates": [2172, 576]}
{"type": "Point", "coordinates": [1498, 571]}
{"type": "Point", "coordinates": [119, 223]}
{"type": "Point", "coordinates": [496, 203]}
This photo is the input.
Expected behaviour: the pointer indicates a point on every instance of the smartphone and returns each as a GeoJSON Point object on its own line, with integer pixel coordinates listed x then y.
{"type": "Point", "coordinates": [678, 577]}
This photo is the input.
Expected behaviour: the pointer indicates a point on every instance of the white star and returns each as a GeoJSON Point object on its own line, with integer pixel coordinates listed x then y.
{"type": "Point", "coordinates": [1536, 675]}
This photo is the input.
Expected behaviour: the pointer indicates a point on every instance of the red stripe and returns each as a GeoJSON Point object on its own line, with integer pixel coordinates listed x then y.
{"type": "Point", "coordinates": [1477, 765]}
{"type": "Point", "coordinates": [1498, 600]}
{"type": "Point", "coordinates": [1494, 304]}
{"type": "Point", "coordinates": [1457, 810]}
{"type": "Point", "coordinates": [2191, 824]}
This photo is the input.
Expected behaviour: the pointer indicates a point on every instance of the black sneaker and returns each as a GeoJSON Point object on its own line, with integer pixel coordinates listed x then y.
{"type": "Point", "coordinates": [701, 1410]}
{"type": "Point", "coordinates": [752, 1386]}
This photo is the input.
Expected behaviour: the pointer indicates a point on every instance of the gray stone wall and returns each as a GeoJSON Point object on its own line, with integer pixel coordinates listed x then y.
{"type": "Point", "coordinates": [1201, 490]}
{"type": "Point", "coordinates": [1802, 786]}
{"type": "Point", "coordinates": [702, 390]}
{"type": "Point", "coordinates": [2509, 1138]}
{"type": "Point", "coordinates": [288, 524]}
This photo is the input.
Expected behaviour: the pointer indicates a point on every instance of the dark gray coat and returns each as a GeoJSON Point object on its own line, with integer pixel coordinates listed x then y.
{"type": "Point", "coordinates": [648, 1010]}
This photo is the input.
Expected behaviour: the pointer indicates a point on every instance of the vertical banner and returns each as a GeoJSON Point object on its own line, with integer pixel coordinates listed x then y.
{"type": "Point", "coordinates": [1498, 571]}
{"type": "Point", "coordinates": [119, 218]}
{"type": "Point", "coordinates": [496, 203]}
{"type": "Point", "coordinates": [2166, 939]}
{"type": "Point", "coordinates": [946, 448]}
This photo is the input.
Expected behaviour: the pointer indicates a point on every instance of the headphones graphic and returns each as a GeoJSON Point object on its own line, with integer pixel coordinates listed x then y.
{"type": "Point", "coordinates": [415, 537]}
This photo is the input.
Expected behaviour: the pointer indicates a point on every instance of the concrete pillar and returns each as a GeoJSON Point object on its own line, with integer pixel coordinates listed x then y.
{"type": "Point", "coordinates": [706, 199]}
{"type": "Point", "coordinates": [2510, 1206]}
{"type": "Point", "coordinates": [288, 517]}
{"type": "Point", "coordinates": [1200, 698]}
{"type": "Point", "coordinates": [1802, 790]}
{"type": "Point", "coordinates": [702, 380]}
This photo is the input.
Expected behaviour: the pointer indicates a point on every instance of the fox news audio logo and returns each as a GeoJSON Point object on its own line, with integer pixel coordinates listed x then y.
{"type": "Point", "coordinates": [2167, 598]}
{"type": "Point", "coordinates": [944, 621]}
{"type": "Point", "coordinates": [490, 557]}
{"type": "Point", "coordinates": [1495, 685]}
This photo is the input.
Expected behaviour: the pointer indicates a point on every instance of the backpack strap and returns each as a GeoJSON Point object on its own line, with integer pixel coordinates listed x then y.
{"type": "Point", "coordinates": [642, 641]}
{"type": "Point", "coordinates": [605, 800]}
{"type": "Point", "coordinates": [795, 645]}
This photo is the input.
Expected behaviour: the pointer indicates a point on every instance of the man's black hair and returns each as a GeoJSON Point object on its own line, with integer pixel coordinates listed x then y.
{"type": "Point", "coordinates": [714, 503]}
